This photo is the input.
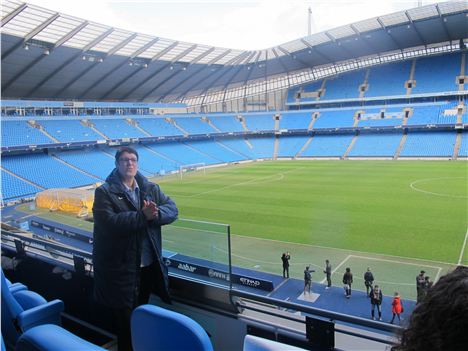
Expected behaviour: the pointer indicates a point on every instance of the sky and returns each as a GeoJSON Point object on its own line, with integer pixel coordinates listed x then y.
{"type": "Point", "coordinates": [234, 24]}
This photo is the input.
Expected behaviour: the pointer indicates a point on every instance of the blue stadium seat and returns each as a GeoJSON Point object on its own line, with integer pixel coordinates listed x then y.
{"type": "Point", "coordinates": [155, 328]}
{"type": "Point", "coordinates": [51, 337]}
{"type": "Point", "coordinates": [24, 310]}
{"type": "Point", "coordinates": [254, 343]}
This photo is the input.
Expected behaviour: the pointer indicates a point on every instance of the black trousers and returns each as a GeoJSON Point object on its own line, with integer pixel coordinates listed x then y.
{"type": "Point", "coordinates": [148, 279]}
{"type": "Point", "coordinates": [285, 271]}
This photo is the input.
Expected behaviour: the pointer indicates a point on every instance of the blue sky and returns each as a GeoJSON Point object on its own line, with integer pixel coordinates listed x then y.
{"type": "Point", "coordinates": [236, 24]}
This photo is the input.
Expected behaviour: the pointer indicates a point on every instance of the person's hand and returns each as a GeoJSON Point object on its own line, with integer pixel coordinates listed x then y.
{"type": "Point", "coordinates": [150, 210]}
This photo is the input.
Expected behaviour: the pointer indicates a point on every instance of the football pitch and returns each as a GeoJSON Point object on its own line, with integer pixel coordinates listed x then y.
{"type": "Point", "coordinates": [397, 217]}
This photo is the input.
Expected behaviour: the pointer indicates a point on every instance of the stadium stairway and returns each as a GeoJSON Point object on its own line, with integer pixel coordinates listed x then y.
{"type": "Point", "coordinates": [174, 123]}
{"type": "Point", "coordinates": [39, 127]}
{"type": "Point", "coordinates": [88, 123]}
{"type": "Point", "coordinates": [456, 148]}
{"type": "Point", "coordinates": [136, 125]}
{"type": "Point", "coordinates": [400, 147]}
{"type": "Point", "coordinates": [275, 148]}
{"type": "Point", "coordinates": [207, 120]}
{"type": "Point", "coordinates": [351, 144]}
{"type": "Point", "coordinates": [313, 118]}
{"type": "Point", "coordinates": [303, 147]}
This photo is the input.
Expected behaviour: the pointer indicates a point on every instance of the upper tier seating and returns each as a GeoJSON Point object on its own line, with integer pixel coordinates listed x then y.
{"type": "Point", "coordinates": [437, 73]}
{"type": "Point", "coordinates": [388, 79]}
{"type": "Point", "coordinates": [227, 123]}
{"type": "Point", "coordinates": [194, 125]}
{"type": "Point", "coordinates": [158, 127]}
{"type": "Point", "coordinates": [308, 88]}
{"type": "Point", "coordinates": [335, 119]}
{"type": "Point", "coordinates": [295, 120]}
{"type": "Point", "coordinates": [69, 130]}
{"type": "Point", "coordinates": [16, 133]}
{"type": "Point", "coordinates": [46, 171]}
{"type": "Point", "coordinates": [260, 122]}
{"type": "Point", "coordinates": [117, 128]}
{"type": "Point", "coordinates": [345, 86]}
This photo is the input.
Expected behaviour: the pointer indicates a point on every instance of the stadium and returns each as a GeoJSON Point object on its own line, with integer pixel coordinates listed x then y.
{"type": "Point", "coordinates": [349, 144]}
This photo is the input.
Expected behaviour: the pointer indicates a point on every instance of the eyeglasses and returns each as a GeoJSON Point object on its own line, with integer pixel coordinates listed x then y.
{"type": "Point", "coordinates": [128, 160]}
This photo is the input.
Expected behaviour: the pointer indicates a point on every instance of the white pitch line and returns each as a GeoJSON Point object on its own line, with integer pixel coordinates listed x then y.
{"type": "Point", "coordinates": [436, 194]}
{"type": "Point", "coordinates": [437, 275]}
{"type": "Point", "coordinates": [395, 261]}
{"type": "Point", "coordinates": [463, 249]}
{"type": "Point", "coordinates": [336, 268]}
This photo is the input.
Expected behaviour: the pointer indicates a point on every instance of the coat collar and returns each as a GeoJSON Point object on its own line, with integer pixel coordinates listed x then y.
{"type": "Point", "coordinates": [116, 185]}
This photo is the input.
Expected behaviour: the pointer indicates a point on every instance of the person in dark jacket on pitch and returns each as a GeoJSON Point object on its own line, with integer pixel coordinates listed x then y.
{"type": "Point", "coordinates": [376, 298]}
{"type": "Point", "coordinates": [420, 280]}
{"type": "Point", "coordinates": [348, 281]}
{"type": "Point", "coordinates": [328, 273]}
{"type": "Point", "coordinates": [368, 280]}
{"type": "Point", "coordinates": [285, 257]}
{"type": "Point", "coordinates": [128, 214]}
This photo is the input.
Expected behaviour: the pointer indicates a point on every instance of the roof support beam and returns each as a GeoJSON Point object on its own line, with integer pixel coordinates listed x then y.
{"type": "Point", "coordinates": [174, 74]}
{"type": "Point", "coordinates": [123, 63]}
{"type": "Point", "coordinates": [149, 77]}
{"type": "Point", "coordinates": [39, 58]}
{"type": "Point", "coordinates": [212, 62]}
{"type": "Point", "coordinates": [313, 48]}
{"type": "Point", "coordinates": [389, 33]}
{"type": "Point", "coordinates": [415, 29]}
{"type": "Point", "coordinates": [7, 18]}
{"type": "Point", "coordinates": [362, 37]}
{"type": "Point", "coordinates": [66, 63]}
{"type": "Point", "coordinates": [31, 34]}
{"type": "Point", "coordinates": [128, 76]}
{"type": "Point", "coordinates": [447, 33]}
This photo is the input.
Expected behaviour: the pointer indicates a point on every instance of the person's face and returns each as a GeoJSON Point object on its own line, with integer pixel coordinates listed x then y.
{"type": "Point", "coordinates": [127, 165]}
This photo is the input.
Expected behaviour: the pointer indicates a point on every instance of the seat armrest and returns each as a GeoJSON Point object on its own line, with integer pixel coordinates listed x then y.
{"type": "Point", "coordinates": [15, 287]}
{"type": "Point", "coordinates": [48, 313]}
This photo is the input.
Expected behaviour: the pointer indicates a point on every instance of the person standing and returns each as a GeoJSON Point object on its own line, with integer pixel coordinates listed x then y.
{"type": "Point", "coordinates": [368, 280]}
{"type": "Point", "coordinates": [426, 286]}
{"type": "Point", "coordinates": [397, 308]}
{"type": "Point", "coordinates": [420, 280]}
{"type": "Point", "coordinates": [348, 281]}
{"type": "Point", "coordinates": [376, 298]}
{"type": "Point", "coordinates": [285, 258]}
{"type": "Point", "coordinates": [307, 280]}
{"type": "Point", "coordinates": [128, 214]}
{"type": "Point", "coordinates": [328, 273]}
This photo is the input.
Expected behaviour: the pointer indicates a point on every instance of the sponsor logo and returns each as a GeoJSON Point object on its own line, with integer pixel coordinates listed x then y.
{"type": "Point", "coordinates": [217, 274]}
{"type": "Point", "coordinates": [168, 262]}
{"type": "Point", "coordinates": [187, 267]}
{"type": "Point", "coordinates": [250, 282]}
{"type": "Point", "coordinates": [46, 227]}
{"type": "Point", "coordinates": [59, 231]}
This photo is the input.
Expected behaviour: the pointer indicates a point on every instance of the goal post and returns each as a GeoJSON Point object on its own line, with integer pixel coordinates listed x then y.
{"type": "Point", "coordinates": [193, 167]}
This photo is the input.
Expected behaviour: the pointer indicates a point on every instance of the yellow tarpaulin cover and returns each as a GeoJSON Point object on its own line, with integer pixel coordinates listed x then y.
{"type": "Point", "coordinates": [76, 201]}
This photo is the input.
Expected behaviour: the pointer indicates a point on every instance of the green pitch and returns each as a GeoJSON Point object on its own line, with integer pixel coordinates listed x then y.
{"type": "Point", "coordinates": [414, 209]}
{"type": "Point", "coordinates": [395, 217]}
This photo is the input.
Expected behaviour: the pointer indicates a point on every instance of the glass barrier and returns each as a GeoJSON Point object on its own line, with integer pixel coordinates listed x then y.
{"type": "Point", "coordinates": [198, 250]}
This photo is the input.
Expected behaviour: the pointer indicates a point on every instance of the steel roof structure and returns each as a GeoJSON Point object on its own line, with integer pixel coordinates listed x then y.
{"type": "Point", "coordinates": [49, 55]}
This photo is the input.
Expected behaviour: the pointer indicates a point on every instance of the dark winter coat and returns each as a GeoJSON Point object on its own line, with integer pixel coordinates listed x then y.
{"type": "Point", "coordinates": [376, 297]}
{"type": "Point", "coordinates": [119, 229]}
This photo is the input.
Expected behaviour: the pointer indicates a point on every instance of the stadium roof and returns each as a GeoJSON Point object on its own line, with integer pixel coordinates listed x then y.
{"type": "Point", "coordinates": [49, 55]}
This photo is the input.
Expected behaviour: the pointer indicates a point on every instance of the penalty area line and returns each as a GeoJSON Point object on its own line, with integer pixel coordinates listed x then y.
{"type": "Point", "coordinates": [460, 259]}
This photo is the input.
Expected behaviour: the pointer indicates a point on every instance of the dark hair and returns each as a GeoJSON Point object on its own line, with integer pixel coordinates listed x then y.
{"type": "Point", "coordinates": [440, 321]}
{"type": "Point", "coordinates": [348, 270]}
{"type": "Point", "coordinates": [127, 149]}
